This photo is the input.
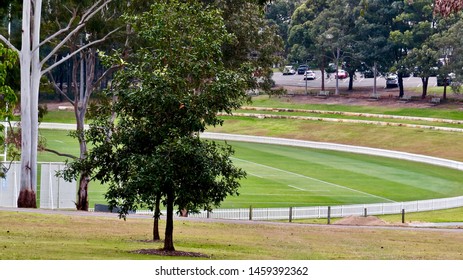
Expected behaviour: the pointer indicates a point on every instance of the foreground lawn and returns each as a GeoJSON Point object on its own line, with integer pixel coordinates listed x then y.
{"type": "Point", "coordinates": [71, 237]}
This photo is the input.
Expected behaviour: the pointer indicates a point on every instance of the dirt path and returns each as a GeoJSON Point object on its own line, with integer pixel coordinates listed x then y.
{"type": "Point", "coordinates": [352, 222]}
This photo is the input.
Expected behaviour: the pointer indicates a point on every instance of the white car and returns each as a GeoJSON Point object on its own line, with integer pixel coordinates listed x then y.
{"type": "Point", "coordinates": [289, 70]}
{"type": "Point", "coordinates": [392, 81]}
{"type": "Point", "coordinates": [309, 75]}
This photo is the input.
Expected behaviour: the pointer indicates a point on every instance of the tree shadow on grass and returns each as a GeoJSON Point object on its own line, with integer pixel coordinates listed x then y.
{"type": "Point", "coordinates": [161, 252]}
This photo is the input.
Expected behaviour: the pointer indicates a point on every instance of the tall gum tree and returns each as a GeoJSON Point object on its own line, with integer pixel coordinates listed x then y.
{"type": "Point", "coordinates": [84, 73]}
{"type": "Point", "coordinates": [33, 67]}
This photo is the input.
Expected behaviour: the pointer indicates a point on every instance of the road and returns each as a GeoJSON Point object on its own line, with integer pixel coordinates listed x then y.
{"type": "Point", "coordinates": [359, 81]}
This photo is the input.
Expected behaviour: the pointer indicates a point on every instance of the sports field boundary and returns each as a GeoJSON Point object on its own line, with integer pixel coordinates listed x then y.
{"type": "Point", "coordinates": [335, 147]}
{"type": "Point", "coordinates": [321, 211]}
{"type": "Point", "coordinates": [306, 144]}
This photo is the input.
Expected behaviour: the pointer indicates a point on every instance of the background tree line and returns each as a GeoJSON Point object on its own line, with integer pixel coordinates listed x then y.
{"type": "Point", "coordinates": [420, 37]}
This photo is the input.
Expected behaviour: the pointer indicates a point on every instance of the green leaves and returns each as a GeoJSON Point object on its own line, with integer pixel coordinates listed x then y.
{"type": "Point", "coordinates": [171, 87]}
{"type": "Point", "coordinates": [8, 97]}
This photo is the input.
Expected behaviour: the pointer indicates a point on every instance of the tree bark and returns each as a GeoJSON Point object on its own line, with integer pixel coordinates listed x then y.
{"type": "Point", "coordinates": [401, 84]}
{"type": "Point", "coordinates": [27, 199]}
{"type": "Point", "coordinates": [82, 201]}
{"type": "Point", "coordinates": [30, 80]}
{"type": "Point", "coordinates": [169, 238]}
{"type": "Point", "coordinates": [322, 69]}
{"type": "Point", "coordinates": [445, 89]}
{"type": "Point", "coordinates": [85, 67]}
{"type": "Point", "coordinates": [351, 80]}
{"type": "Point", "coordinates": [157, 216]}
{"type": "Point", "coordinates": [425, 81]}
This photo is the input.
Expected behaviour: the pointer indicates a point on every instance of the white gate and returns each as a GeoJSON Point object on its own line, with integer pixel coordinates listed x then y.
{"type": "Point", "coordinates": [54, 192]}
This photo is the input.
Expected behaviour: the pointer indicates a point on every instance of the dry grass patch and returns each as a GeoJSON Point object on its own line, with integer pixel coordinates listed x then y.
{"type": "Point", "coordinates": [37, 236]}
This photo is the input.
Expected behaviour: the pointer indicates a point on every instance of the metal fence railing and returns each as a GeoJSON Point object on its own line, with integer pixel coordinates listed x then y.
{"type": "Point", "coordinates": [322, 212]}
{"type": "Point", "coordinates": [338, 211]}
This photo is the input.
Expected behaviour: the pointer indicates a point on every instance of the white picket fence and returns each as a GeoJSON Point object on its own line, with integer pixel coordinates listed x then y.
{"type": "Point", "coordinates": [335, 211]}
{"type": "Point", "coordinates": [321, 212]}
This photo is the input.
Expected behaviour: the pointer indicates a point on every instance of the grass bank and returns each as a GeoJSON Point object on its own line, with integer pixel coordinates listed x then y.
{"type": "Point", "coordinates": [71, 237]}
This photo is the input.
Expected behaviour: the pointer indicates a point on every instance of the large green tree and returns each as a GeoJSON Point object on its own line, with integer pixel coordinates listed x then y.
{"type": "Point", "coordinates": [256, 40]}
{"type": "Point", "coordinates": [413, 26]}
{"type": "Point", "coordinates": [168, 92]}
{"type": "Point", "coordinates": [449, 44]}
{"type": "Point", "coordinates": [279, 13]}
{"type": "Point", "coordinates": [306, 35]}
{"type": "Point", "coordinates": [372, 33]}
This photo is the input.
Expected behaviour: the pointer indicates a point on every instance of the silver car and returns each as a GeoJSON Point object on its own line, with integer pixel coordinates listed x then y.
{"type": "Point", "coordinates": [309, 75]}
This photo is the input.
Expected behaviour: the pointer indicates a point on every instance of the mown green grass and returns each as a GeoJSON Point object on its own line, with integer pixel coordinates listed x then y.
{"type": "Point", "coordinates": [341, 117]}
{"type": "Point", "coordinates": [285, 102]}
{"type": "Point", "coordinates": [60, 117]}
{"type": "Point", "coordinates": [281, 176]}
{"type": "Point", "coordinates": [413, 140]}
{"type": "Point", "coordinates": [31, 236]}
{"type": "Point", "coordinates": [289, 176]}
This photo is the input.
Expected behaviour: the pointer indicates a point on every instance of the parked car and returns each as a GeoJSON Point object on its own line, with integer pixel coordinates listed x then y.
{"type": "Point", "coordinates": [392, 81]}
{"type": "Point", "coordinates": [289, 70]}
{"type": "Point", "coordinates": [369, 74]}
{"type": "Point", "coordinates": [301, 69]}
{"type": "Point", "coordinates": [309, 75]}
{"type": "Point", "coordinates": [342, 74]}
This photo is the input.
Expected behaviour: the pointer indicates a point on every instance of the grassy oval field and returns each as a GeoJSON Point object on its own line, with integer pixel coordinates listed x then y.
{"type": "Point", "coordinates": [281, 176]}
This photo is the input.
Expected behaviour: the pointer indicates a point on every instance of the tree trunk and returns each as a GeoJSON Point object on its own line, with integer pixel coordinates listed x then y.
{"type": "Point", "coordinates": [157, 216]}
{"type": "Point", "coordinates": [375, 92]}
{"type": "Point", "coordinates": [445, 89]}
{"type": "Point", "coordinates": [30, 81]}
{"type": "Point", "coordinates": [169, 234]}
{"type": "Point", "coordinates": [85, 67]}
{"type": "Point", "coordinates": [82, 201]}
{"type": "Point", "coordinates": [425, 87]}
{"type": "Point", "coordinates": [322, 69]}
{"type": "Point", "coordinates": [351, 80]}
{"type": "Point", "coordinates": [401, 84]}
{"type": "Point", "coordinates": [27, 199]}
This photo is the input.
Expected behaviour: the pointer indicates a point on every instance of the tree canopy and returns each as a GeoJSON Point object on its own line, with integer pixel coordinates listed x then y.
{"type": "Point", "coordinates": [169, 91]}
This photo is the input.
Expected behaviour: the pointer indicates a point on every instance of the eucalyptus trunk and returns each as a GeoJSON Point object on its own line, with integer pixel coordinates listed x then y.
{"type": "Point", "coordinates": [82, 201]}
{"type": "Point", "coordinates": [83, 74]}
{"type": "Point", "coordinates": [30, 80]}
